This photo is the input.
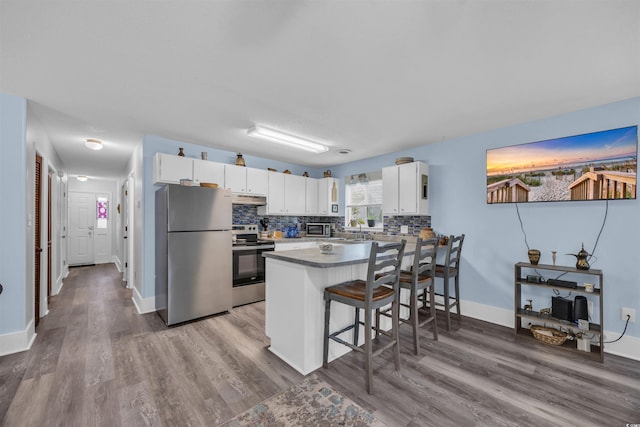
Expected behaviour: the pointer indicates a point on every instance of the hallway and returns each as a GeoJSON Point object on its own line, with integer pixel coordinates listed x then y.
{"type": "Point", "coordinates": [96, 361]}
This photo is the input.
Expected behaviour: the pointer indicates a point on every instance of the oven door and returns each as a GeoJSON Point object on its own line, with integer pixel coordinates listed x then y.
{"type": "Point", "coordinates": [248, 265]}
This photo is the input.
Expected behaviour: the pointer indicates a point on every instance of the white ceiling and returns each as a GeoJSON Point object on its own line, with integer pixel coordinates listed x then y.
{"type": "Point", "coordinates": [372, 76]}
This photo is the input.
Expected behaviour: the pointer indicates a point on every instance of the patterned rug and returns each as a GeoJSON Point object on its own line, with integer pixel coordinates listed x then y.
{"type": "Point", "coordinates": [311, 403]}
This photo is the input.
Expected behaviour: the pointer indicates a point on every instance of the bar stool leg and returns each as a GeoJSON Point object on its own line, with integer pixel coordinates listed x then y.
{"type": "Point", "coordinates": [413, 306]}
{"type": "Point", "coordinates": [356, 327]}
{"type": "Point", "coordinates": [368, 366]}
{"type": "Point", "coordinates": [325, 348]}
{"type": "Point", "coordinates": [395, 311]}
{"type": "Point", "coordinates": [432, 310]}
{"type": "Point", "coordinates": [457, 284]}
{"type": "Point", "coordinates": [447, 309]}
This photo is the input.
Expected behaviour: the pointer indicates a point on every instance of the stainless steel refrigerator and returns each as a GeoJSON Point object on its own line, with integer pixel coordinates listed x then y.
{"type": "Point", "coordinates": [193, 252]}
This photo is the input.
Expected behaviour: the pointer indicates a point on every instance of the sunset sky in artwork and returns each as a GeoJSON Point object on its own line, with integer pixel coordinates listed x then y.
{"type": "Point", "coordinates": [554, 153]}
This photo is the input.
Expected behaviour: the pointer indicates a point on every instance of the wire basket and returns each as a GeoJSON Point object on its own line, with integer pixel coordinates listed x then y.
{"type": "Point", "coordinates": [548, 335]}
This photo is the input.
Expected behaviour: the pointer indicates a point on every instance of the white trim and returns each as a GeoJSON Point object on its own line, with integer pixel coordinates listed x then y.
{"type": "Point", "coordinates": [628, 346]}
{"type": "Point", "coordinates": [16, 342]}
{"type": "Point", "coordinates": [116, 260]}
{"type": "Point", "coordinates": [143, 305]}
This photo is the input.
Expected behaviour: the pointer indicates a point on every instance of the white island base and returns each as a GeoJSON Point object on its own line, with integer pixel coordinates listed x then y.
{"type": "Point", "coordinates": [294, 311]}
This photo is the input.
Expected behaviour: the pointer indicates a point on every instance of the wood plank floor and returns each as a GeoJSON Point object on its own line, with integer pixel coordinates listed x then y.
{"type": "Point", "coordinates": [97, 362]}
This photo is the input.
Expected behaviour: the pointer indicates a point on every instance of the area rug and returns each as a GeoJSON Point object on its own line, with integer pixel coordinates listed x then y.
{"type": "Point", "coordinates": [311, 403]}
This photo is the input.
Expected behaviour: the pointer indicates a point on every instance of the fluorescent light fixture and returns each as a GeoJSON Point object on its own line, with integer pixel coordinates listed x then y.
{"type": "Point", "coordinates": [93, 144]}
{"type": "Point", "coordinates": [286, 139]}
{"type": "Point", "coordinates": [82, 178]}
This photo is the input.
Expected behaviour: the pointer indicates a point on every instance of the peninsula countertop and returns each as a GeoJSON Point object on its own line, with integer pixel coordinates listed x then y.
{"type": "Point", "coordinates": [341, 255]}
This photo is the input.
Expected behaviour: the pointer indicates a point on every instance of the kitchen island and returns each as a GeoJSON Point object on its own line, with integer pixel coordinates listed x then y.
{"type": "Point", "coordinates": [294, 303]}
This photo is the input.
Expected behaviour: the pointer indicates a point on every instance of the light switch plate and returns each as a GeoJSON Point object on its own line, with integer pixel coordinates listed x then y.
{"type": "Point", "coordinates": [404, 229]}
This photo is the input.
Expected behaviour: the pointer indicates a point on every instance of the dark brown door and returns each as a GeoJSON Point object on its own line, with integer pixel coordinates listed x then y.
{"type": "Point", "coordinates": [49, 234]}
{"type": "Point", "coordinates": [38, 242]}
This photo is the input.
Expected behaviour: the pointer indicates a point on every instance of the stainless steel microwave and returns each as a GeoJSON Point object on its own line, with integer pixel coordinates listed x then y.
{"type": "Point", "coordinates": [319, 229]}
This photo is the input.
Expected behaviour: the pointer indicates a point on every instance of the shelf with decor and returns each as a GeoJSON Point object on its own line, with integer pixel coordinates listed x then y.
{"type": "Point", "coordinates": [526, 274]}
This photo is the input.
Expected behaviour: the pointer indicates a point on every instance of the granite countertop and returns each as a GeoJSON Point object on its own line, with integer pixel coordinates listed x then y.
{"type": "Point", "coordinates": [354, 253]}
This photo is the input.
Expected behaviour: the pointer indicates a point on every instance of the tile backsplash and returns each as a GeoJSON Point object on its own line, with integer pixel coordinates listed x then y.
{"type": "Point", "coordinates": [248, 214]}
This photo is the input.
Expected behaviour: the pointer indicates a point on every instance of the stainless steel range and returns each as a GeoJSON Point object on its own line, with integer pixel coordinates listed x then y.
{"type": "Point", "coordinates": [248, 264]}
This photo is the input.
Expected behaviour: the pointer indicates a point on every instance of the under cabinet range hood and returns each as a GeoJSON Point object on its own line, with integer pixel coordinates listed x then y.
{"type": "Point", "coordinates": [242, 199]}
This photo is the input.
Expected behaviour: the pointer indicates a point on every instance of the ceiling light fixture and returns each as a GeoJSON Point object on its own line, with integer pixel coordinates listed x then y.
{"type": "Point", "coordinates": [82, 178]}
{"type": "Point", "coordinates": [286, 139]}
{"type": "Point", "coordinates": [93, 144]}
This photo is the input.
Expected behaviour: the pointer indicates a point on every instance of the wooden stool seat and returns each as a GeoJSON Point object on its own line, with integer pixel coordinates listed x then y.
{"type": "Point", "coordinates": [356, 289]}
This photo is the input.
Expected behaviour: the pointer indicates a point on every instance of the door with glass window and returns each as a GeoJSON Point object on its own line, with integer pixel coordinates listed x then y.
{"type": "Point", "coordinates": [89, 228]}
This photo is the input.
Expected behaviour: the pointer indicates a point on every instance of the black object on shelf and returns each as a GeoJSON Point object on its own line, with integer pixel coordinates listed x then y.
{"type": "Point", "coordinates": [580, 310]}
{"type": "Point", "coordinates": [562, 283]}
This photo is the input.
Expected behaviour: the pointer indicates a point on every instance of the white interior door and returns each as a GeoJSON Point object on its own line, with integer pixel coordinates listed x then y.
{"type": "Point", "coordinates": [82, 214]}
{"type": "Point", "coordinates": [102, 230]}
{"type": "Point", "coordinates": [125, 228]}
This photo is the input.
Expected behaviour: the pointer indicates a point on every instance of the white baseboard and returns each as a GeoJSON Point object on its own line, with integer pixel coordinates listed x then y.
{"type": "Point", "coordinates": [628, 347]}
{"type": "Point", "coordinates": [16, 342]}
{"type": "Point", "coordinates": [117, 262]}
{"type": "Point", "coordinates": [143, 305]}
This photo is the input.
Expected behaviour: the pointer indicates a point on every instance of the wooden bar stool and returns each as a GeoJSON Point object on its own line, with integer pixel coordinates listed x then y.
{"type": "Point", "coordinates": [451, 269]}
{"type": "Point", "coordinates": [380, 288]}
{"type": "Point", "coordinates": [420, 283]}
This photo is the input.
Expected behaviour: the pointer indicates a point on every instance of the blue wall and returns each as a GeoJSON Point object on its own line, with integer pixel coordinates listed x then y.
{"type": "Point", "coordinates": [13, 214]}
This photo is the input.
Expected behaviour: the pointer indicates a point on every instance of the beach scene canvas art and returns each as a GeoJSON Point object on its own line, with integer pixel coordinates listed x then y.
{"type": "Point", "coordinates": [593, 166]}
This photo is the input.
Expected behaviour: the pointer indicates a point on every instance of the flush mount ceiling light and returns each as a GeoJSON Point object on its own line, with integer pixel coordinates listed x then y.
{"type": "Point", "coordinates": [286, 139]}
{"type": "Point", "coordinates": [93, 144]}
{"type": "Point", "coordinates": [82, 178]}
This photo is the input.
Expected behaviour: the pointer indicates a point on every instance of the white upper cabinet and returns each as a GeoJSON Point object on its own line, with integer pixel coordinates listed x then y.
{"type": "Point", "coordinates": [205, 171]}
{"type": "Point", "coordinates": [328, 196]}
{"type": "Point", "coordinates": [235, 178]}
{"type": "Point", "coordinates": [257, 182]}
{"type": "Point", "coordinates": [170, 169]}
{"type": "Point", "coordinates": [294, 196]}
{"type": "Point", "coordinates": [244, 180]}
{"type": "Point", "coordinates": [286, 195]}
{"type": "Point", "coordinates": [311, 193]}
{"type": "Point", "coordinates": [405, 189]}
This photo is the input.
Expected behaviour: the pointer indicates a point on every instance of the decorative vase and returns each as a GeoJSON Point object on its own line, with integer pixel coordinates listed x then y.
{"type": "Point", "coordinates": [240, 160]}
{"type": "Point", "coordinates": [534, 256]}
{"type": "Point", "coordinates": [204, 155]}
{"type": "Point", "coordinates": [327, 173]}
{"type": "Point", "coordinates": [181, 152]}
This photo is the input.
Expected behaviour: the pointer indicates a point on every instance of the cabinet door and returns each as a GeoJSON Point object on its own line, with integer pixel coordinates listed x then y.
{"type": "Point", "coordinates": [294, 196]}
{"type": "Point", "coordinates": [328, 196]}
{"type": "Point", "coordinates": [235, 178]}
{"type": "Point", "coordinates": [205, 171]}
{"type": "Point", "coordinates": [171, 169]}
{"type": "Point", "coordinates": [311, 203]}
{"type": "Point", "coordinates": [275, 197]}
{"type": "Point", "coordinates": [390, 187]}
{"type": "Point", "coordinates": [257, 182]}
{"type": "Point", "coordinates": [323, 197]}
{"type": "Point", "coordinates": [408, 188]}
